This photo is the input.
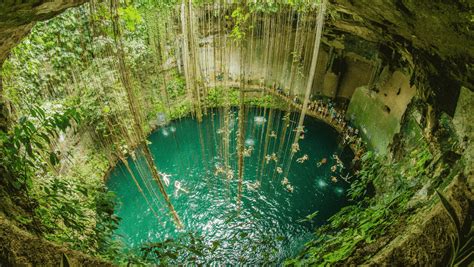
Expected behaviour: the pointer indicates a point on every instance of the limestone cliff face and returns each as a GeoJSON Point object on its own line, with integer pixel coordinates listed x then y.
{"type": "Point", "coordinates": [432, 38]}
{"type": "Point", "coordinates": [435, 38]}
{"type": "Point", "coordinates": [18, 17]}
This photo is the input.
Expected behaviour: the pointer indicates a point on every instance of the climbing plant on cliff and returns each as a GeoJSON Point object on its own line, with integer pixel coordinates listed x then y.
{"type": "Point", "coordinates": [359, 225]}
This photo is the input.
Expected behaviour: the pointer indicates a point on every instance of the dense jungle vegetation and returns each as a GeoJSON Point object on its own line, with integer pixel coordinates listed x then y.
{"type": "Point", "coordinates": [73, 88]}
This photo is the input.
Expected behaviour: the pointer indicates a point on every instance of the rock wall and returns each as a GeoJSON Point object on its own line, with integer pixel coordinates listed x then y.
{"type": "Point", "coordinates": [378, 113]}
{"type": "Point", "coordinates": [20, 248]}
{"type": "Point", "coordinates": [463, 124]}
{"type": "Point", "coordinates": [425, 241]}
{"type": "Point", "coordinates": [17, 19]}
{"type": "Point", "coordinates": [433, 38]}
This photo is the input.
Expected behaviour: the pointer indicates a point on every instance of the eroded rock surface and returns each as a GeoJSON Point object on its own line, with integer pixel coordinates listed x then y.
{"type": "Point", "coordinates": [17, 19]}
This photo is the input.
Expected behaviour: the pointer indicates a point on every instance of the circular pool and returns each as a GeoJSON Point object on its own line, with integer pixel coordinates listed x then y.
{"type": "Point", "coordinates": [283, 199]}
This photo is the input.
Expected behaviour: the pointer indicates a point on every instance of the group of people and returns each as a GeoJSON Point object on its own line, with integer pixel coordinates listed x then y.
{"type": "Point", "coordinates": [287, 185]}
{"type": "Point", "coordinates": [221, 170]}
{"type": "Point", "coordinates": [177, 184]}
{"type": "Point", "coordinates": [327, 109]}
{"type": "Point", "coordinates": [272, 157]}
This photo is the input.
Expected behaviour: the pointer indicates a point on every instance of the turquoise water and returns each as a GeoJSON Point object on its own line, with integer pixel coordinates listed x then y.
{"type": "Point", "coordinates": [268, 227]}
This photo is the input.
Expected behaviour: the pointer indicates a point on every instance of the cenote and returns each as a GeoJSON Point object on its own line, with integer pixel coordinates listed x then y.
{"type": "Point", "coordinates": [271, 223]}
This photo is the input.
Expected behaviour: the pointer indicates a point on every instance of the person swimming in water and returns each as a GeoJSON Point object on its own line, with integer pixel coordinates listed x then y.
{"type": "Point", "coordinates": [334, 179]}
{"type": "Point", "coordinates": [274, 157]}
{"type": "Point", "coordinates": [284, 181]}
{"type": "Point", "coordinates": [248, 151]}
{"type": "Point", "coordinates": [253, 186]}
{"type": "Point", "coordinates": [334, 168]}
{"type": "Point", "coordinates": [166, 178]}
{"type": "Point", "coordinates": [338, 161]}
{"type": "Point", "coordinates": [279, 170]}
{"type": "Point", "coordinates": [230, 174]}
{"type": "Point", "coordinates": [290, 188]}
{"type": "Point", "coordinates": [219, 170]}
{"type": "Point", "coordinates": [302, 159]}
{"type": "Point", "coordinates": [346, 178]}
{"type": "Point", "coordinates": [273, 135]}
{"type": "Point", "coordinates": [267, 159]}
{"type": "Point", "coordinates": [322, 162]}
{"type": "Point", "coordinates": [178, 187]}
{"type": "Point", "coordinates": [301, 131]}
{"type": "Point", "coordinates": [295, 147]}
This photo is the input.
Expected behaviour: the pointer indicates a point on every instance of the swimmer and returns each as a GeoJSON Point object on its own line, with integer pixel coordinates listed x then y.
{"type": "Point", "coordinates": [334, 179]}
{"type": "Point", "coordinates": [165, 178]}
{"type": "Point", "coordinates": [302, 135]}
{"type": "Point", "coordinates": [340, 165]}
{"type": "Point", "coordinates": [274, 157]}
{"type": "Point", "coordinates": [290, 188]}
{"type": "Point", "coordinates": [133, 155]}
{"type": "Point", "coordinates": [300, 130]}
{"type": "Point", "coordinates": [230, 174]}
{"type": "Point", "coordinates": [322, 162]}
{"type": "Point", "coordinates": [346, 178]}
{"type": "Point", "coordinates": [334, 168]}
{"type": "Point", "coordinates": [284, 181]}
{"type": "Point", "coordinates": [253, 186]}
{"type": "Point", "coordinates": [268, 158]}
{"type": "Point", "coordinates": [248, 152]}
{"type": "Point", "coordinates": [177, 188]}
{"type": "Point", "coordinates": [219, 170]}
{"type": "Point", "coordinates": [302, 159]}
{"type": "Point", "coordinates": [279, 170]}
{"type": "Point", "coordinates": [295, 147]}
{"type": "Point", "coordinates": [273, 135]}
{"type": "Point", "coordinates": [338, 161]}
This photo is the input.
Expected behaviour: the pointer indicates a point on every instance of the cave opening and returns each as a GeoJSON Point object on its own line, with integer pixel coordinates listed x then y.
{"type": "Point", "coordinates": [323, 132]}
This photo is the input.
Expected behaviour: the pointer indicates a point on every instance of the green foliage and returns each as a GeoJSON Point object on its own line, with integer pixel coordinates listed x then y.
{"type": "Point", "coordinates": [264, 7]}
{"type": "Point", "coordinates": [27, 143]}
{"type": "Point", "coordinates": [304, 5]}
{"type": "Point", "coordinates": [181, 110]}
{"type": "Point", "coordinates": [220, 96]}
{"type": "Point", "coordinates": [77, 210]}
{"type": "Point", "coordinates": [362, 223]}
{"type": "Point", "coordinates": [63, 205]}
{"type": "Point", "coordinates": [176, 87]}
{"type": "Point", "coordinates": [309, 218]}
{"type": "Point", "coordinates": [266, 101]}
{"type": "Point", "coordinates": [240, 19]}
{"type": "Point", "coordinates": [131, 17]}
{"type": "Point", "coordinates": [192, 248]}
{"type": "Point", "coordinates": [167, 252]}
